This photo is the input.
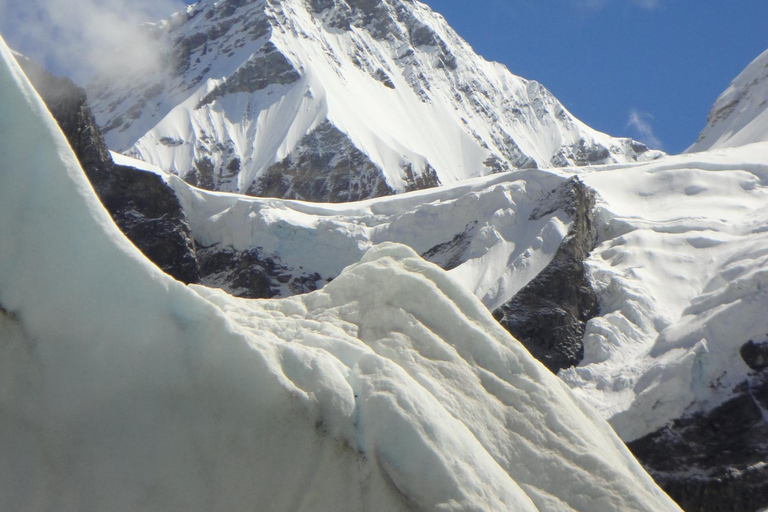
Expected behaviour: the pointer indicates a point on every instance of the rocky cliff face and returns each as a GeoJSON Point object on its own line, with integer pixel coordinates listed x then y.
{"type": "Point", "coordinates": [715, 461]}
{"type": "Point", "coordinates": [337, 100]}
{"type": "Point", "coordinates": [140, 203]}
{"type": "Point", "coordinates": [550, 313]}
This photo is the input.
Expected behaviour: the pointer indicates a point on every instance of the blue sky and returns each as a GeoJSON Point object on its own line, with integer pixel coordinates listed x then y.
{"type": "Point", "coordinates": [659, 63]}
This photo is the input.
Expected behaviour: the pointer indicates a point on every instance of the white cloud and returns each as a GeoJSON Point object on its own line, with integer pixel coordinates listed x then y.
{"type": "Point", "coordinates": [641, 125]}
{"type": "Point", "coordinates": [81, 38]}
{"type": "Point", "coordinates": [596, 5]}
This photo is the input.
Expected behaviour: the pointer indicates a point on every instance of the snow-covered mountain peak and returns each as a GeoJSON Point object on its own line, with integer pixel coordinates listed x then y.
{"type": "Point", "coordinates": [740, 114]}
{"type": "Point", "coordinates": [337, 100]}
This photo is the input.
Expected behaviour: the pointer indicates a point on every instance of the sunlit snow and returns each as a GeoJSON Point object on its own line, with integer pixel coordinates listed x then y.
{"type": "Point", "coordinates": [390, 389]}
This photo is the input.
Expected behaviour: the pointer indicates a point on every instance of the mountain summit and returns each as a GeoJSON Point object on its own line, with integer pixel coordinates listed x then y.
{"type": "Point", "coordinates": [337, 100]}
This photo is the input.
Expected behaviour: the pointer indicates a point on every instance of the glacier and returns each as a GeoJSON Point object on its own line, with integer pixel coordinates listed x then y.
{"type": "Point", "coordinates": [392, 388]}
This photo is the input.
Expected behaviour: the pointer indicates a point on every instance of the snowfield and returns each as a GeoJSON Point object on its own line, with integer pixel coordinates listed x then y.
{"type": "Point", "coordinates": [390, 389]}
{"type": "Point", "coordinates": [680, 271]}
{"type": "Point", "coordinates": [678, 267]}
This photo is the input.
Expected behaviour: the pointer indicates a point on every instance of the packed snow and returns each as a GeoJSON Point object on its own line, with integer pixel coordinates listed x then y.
{"type": "Point", "coordinates": [677, 268]}
{"type": "Point", "coordinates": [390, 389]}
{"type": "Point", "coordinates": [680, 270]}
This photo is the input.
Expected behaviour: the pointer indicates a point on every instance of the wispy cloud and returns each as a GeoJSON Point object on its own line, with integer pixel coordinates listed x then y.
{"type": "Point", "coordinates": [640, 123]}
{"type": "Point", "coordinates": [596, 5]}
{"type": "Point", "coordinates": [82, 38]}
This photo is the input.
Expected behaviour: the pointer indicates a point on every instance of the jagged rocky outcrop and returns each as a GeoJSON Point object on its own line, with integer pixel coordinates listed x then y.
{"type": "Point", "coordinates": [252, 274]}
{"type": "Point", "coordinates": [452, 253]}
{"type": "Point", "coordinates": [325, 165]}
{"type": "Point", "coordinates": [550, 313]}
{"type": "Point", "coordinates": [715, 461]}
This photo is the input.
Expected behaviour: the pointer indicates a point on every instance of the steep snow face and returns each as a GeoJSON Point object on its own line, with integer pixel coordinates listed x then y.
{"type": "Point", "coordinates": [391, 389]}
{"type": "Point", "coordinates": [681, 275]}
{"type": "Point", "coordinates": [740, 115]}
{"type": "Point", "coordinates": [337, 100]}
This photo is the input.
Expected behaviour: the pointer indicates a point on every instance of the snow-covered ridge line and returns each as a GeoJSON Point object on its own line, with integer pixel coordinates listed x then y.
{"type": "Point", "coordinates": [126, 390]}
{"type": "Point", "coordinates": [337, 101]}
{"type": "Point", "coordinates": [501, 247]}
{"type": "Point", "coordinates": [740, 114]}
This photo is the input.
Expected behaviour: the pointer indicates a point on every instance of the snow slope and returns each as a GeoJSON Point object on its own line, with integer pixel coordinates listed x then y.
{"type": "Point", "coordinates": [680, 271]}
{"type": "Point", "coordinates": [125, 390]}
{"type": "Point", "coordinates": [677, 267]}
{"type": "Point", "coordinates": [337, 100]}
{"type": "Point", "coordinates": [740, 115]}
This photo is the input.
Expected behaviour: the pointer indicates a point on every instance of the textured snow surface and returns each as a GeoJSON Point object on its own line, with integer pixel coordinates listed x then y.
{"type": "Point", "coordinates": [503, 249]}
{"type": "Point", "coordinates": [391, 389]}
{"type": "Point", "coordinates": [681, 271]}
{"type": "Point", "coordinates": [404, 88]}
{"type": "Point", "coordinates": [679, 266]}
{"type": "Point", "coordinates": [740, 115]}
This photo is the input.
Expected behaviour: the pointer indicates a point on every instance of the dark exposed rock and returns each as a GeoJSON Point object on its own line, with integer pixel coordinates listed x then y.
{"type": "Point", "coordinates": [201, 176]}
{"type": "Point", "coordinates": [325, 166]}
{"type": "Point", "coordinates": [375, 17]}
{"type": "Point", "coordinates": [141, 204]}
{"type": "Point", "coordinates": [148, 212]}
{"type": "Point", "coordinates": [583, 153]}
{"type": "Point", "coordinates": [449, 255]}
{"type": "Point", "coordinates": [384, 78]}
{"type": "Point", "coordinates": [550, 313]}
{"type": "Point", "coordinates": [495, 164]}
{"type": "Point", "coordinates": [67, 103]}
{"type": "Point", "coordinates": [251, 274]}
{"type": "Point", "coordinates": [514, 154]}
{"type": "Point", "coordinates": [755, 355]}
{"type": "Point", "coordinates": [714, 461]}
{"type": "Point", "coordinates": [268, 67]}
{"type": "Point", "coordinates": [186, 47]}
{"type": "Point", "coordinates": [426, 179]}
{"type": "Point", "coordinates": [638, 147]}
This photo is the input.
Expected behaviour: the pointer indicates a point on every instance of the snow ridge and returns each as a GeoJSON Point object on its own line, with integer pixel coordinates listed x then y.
{"type": "Point", "coordinates": [740, 114]}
